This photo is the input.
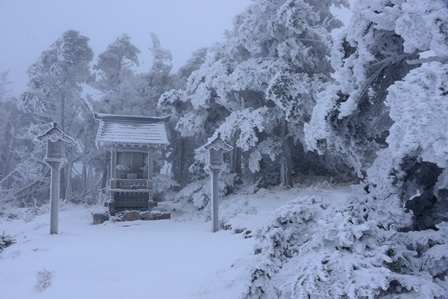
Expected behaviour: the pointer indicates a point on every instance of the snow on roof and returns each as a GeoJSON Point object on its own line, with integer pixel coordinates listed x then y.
{"type": "Point", "coordinates": [216, 143]}
{"type": "Point", "coordinates": [55, 133]}
{"type": "Point", "coordinates": [126, 130]}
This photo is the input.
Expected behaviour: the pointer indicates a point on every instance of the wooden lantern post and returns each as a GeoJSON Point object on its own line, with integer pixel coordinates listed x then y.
{"type": "Point", "coordinates": [55, 158]}
{"type": "Point", "coordinates": [215, 148]}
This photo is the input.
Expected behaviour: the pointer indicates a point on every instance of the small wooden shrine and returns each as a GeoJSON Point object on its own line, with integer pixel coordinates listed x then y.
{"type": "Point", "coordinates": [130, 141]}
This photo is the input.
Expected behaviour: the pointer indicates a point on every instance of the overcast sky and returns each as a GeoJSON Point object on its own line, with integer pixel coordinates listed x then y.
{"type": "Point", "coordinates": [29, 27]}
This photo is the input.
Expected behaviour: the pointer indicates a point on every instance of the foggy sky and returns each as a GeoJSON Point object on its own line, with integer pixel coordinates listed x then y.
{"type": "Point", "coordinates": [29, 27]}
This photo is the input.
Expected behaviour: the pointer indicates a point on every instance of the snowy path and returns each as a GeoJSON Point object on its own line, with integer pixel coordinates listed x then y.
{"type": "Point", "coordinates": [147, 259]}
{"type": "Point", "coordinates": [140, 259]}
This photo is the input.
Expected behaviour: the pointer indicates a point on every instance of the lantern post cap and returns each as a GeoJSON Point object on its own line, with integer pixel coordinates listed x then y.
{"type": "Point", "coordinates": [215, 143]}
{"type": "Point", "coordinates": [55, 133]}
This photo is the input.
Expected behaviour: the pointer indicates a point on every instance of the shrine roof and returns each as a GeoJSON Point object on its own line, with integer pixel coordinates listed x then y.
{"type": "Point", "coordinates": [126, 130]}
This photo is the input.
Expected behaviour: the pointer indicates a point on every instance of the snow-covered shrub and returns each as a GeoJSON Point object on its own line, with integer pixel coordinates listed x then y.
{"type": "Point", "coordinates": [268, 175]}
{"type": "Point", "coordinates": [198, 192]}
{"type": "Point", "coordinates": [161, 184]}
{"type": "Point", "coordinates": [194, 193]}
{"type": "Point", "coordinates": [430, 252]}
{"type": "Point", "coordinates": [43, 280]}
{"type": "Point", "coordinates": [5, 241]}
{"type": "Point", "coordinates": [290, 227]}
{"type": "Point", "coordinates": [30, 214]}
{"type": "Point", "coordinates": [350, 250]}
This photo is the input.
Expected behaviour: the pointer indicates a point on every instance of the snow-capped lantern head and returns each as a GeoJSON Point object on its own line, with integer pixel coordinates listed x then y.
{"type": "Point", "coordinates": [215, 148]}
{"type": "Point", "coordinates": [56, 140]}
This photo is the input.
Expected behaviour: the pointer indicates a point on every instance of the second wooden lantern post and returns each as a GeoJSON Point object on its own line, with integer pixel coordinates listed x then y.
{"type": "Point", "coordinates": [215, 148]}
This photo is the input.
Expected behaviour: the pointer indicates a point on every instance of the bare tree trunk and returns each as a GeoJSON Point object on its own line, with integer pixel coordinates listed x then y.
{"type": "Point", "coordinates": [90, 180]}
{"type": "Point", "coordinates": [68, 183]}
{"type": "Point", "coordinates": [183, 179]}
{"type": "Point", "coordinates": [8, 159]}
{"type": "Point", "coordinates": [235, 155]}
{"type": "Point", "coordinates": [285, 160]}
{"type": "Point", "coordinates": [6, 181]}
{"type": "Point", "coordinates": [179, 161]}
{"type": "Point", "coordinates": [84, 165]}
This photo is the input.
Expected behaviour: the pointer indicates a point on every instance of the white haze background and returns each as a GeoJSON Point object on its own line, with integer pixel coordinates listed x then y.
{"type": "Point", "coordinates": [29, 27]}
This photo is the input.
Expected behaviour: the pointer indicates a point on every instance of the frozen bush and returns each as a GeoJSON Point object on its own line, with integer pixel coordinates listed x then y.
{"type": "Point", "coordinates": [43, 280]}
{"type": "Point", "coordinates": [5, 241]}
{"type": "Point", "coordinates": [312, 249]}
{"type": "Point", "coordinates": [290, 227]}
{"type": "Point", "coordinates": [198, 192]}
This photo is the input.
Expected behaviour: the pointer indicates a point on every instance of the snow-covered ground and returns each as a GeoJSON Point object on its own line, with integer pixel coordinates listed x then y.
{"type": "Point", "coordinates": [177, 258]}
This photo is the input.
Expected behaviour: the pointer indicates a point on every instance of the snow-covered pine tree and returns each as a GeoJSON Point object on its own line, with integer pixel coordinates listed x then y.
{"type": "Point", "coordinates": [54, 90]}
{"type": "Point", "coordinates": [258, 87]}
{"type": "Point", "coordinates": [113, 65]}
{"type": "Point", "coordinates": [284, 45]}
{"type": "Point", "coordinates": [4, 82]}
{"type": "Point", "coordinates": [116, 79]}
{"type": "Point", "coordinates": [350, 117]}
{"type": "Point", "coordinates": [411, 174]}
{"type": "Point", "coordinates": [158, 79]}
{"type": "Point", "coordinates": [8, 114]}
{"type": "Point", "coordinates": [196, 108]}
{"type": "Point", "coordinates": [54, 85]}
{"type": "Point", "coordinates": [13, 148]}
{"type": "Point", "coordinates": [173, 103]}
{"type": "Point", "coordinates": [127, 92]}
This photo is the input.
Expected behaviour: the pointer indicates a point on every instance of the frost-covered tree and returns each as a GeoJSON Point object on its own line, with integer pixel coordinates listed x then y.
{"type": "Point", "coordinates": [193, 63]}
{"type": "Point", "coordinates": [389, 240]}
{"type": "Point", "coordinates": [55, 85]}
{"type": "Point", "coordinates": [406, 98]}
{"type": "Point", "coordinates": [4, 82]}
{"type": "Point", "coordinates": [116, 77]}
{"type": "Point", "coordinates": [350, 117]}
{"type": "Point", "coordinates": [12, 147]}
{"type": "Point", "coordinates": [158, 79]}
{"type": "Point", "coordinates": [55, 81]}
{"type": "Point", "coordinates": [13, 121]}
{"type": "Point", "coordinates": [181, 147]}
{"type": "Point", "coordinates": [161, 64]}
{"type": "Point", "coordinates": [257, 88]}
{"type": "Point", "coordinates": [284, 46]}
{"type": "Point", "coordinates": [27, 182]}
{"type": "Point", "coordinates": [194, 112]}
{"type": "Point", "coordinates": [124, 90]}
{"type": "Point", "coordinates": [8, 112]}
{"type": "Point", "coordinates": [406, 188]}
{"type": "Point", "coordinates": [114, 64]}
